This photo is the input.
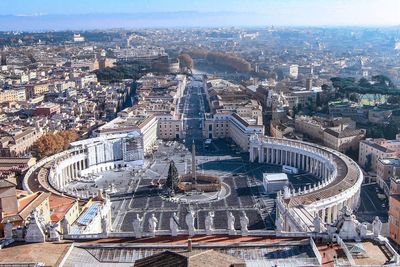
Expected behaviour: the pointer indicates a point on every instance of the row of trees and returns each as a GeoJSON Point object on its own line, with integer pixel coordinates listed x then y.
{"type": "Point", "coordinates": [225, 60]}
{"type": "Point", "coordinates": [52, 143]}
{"type": "Point", "coordinates": [123, 70]}
{"type": "Point", "coordinates": [186, 61]}
{"type": "Point", "coordinates": [379, 85]}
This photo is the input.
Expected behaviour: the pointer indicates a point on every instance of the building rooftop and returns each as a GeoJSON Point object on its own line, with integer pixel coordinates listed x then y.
{"type": "Point", "coordinates": [49, 253]}
{"type": "Point", "coordinates": [59, 206]}
{"type": "Point", "coordinates": [273, 177]}
{"type": "Point", "coordinates": [26, 205]}
{"type": "Point", "coordinates": [390, 161]}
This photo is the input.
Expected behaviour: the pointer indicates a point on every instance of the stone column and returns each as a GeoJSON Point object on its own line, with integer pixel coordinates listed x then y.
{"type": "Point", "coordinates": [60, 180]}
{"type": "Point", "coordinates": [64, 174]}
{"type": "Point", "coordinates": [287, 157]}
{"type": "Point", "coordinates": [251, 153]}
{"type": "Point", "coordinates": [261, 154]}
{"type": "Point", "coordinates": [72, 171]}
{"type": "Point", "coordinates": [351, 202]}
{"type": "Point", "coordinates": [297, 157]}
{"type": "Point", "coordinates": [329, 215]}
{"type": "Point", "coordinates": [334, 213]}
{"type": "Point", "coordinates": [273, 155]}
{"type": "Point", "coordinates": [321, 171]}
{"type": "Point", "coordinates": [69, 173]}
{"type": "Point", "coordinates": [64, 179]}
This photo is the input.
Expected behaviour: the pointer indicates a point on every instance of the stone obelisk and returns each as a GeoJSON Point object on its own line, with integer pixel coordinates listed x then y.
{"type": "Point", "coordinates": [194, 162]}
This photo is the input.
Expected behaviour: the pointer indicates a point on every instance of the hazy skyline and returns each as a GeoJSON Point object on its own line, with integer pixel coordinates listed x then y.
{"type": "Point", "coordinates": [50, 14]}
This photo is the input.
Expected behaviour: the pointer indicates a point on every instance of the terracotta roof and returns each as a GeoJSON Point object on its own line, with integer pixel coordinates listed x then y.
{"type": "Point", "coordinates": [344, 133]}
{"type": "Point", "coordinates": [14, 161]}
{"type": "Point", "coordinates": [49, 253]}
{"type": "Point", "coordinates": [59, 206]}
{"type": "Point", "coordinates": [26, 206]}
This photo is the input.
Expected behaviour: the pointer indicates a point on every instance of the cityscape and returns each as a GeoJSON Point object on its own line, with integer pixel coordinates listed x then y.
{"type": "Point", "coordinates": [200, 134]}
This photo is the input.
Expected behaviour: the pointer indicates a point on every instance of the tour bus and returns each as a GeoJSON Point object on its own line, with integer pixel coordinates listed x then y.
{"type": "Point", "coordinates": [289, 169]}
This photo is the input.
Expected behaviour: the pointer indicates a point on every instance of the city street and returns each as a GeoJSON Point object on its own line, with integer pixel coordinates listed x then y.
{"type": "Point", "coordinates": [193, 105]}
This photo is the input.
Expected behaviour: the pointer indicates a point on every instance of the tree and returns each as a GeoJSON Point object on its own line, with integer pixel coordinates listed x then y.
{"type": "Point", "coordinates": [318, 102]}
{"type": "Point", "coordinates": [325, 87]}
{"type": "Point", "coordinates": [173, 177]}
{"type": "Point", "coordinates": [354, 97]}
{"type": "Point", "coordinates": [52, 143]}
{"type": "Point", "coordinates": [186, 61]}
{"type": "Point", "coordinates": [394, 100]}
{"type": "Point", "coordinates": [228, 61]}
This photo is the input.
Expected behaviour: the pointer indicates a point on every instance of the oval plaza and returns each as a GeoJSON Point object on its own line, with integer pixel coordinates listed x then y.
{"type": "Point", "coordinates": [337, 185]}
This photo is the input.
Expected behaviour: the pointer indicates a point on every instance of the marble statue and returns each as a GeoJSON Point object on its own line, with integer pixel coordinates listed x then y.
{"type": "Point", "coordinates": [279, 223]}
{"type": "Point", "coordinates": [189, 219]}
{"type": "Point", "coordinates": [137, 226]}
{"type": "Point", "coordinates": [363, 230]}
{"type": "Point", "coordinates": [153, 224]}
{"type": "Point", "coordinates": [34, 231]}
{"type": "Point", "coordinates": [347, 225]}
{"type": "Point", "coordinates": [8, 230]}
{"type": "Point", "coordinates": [376, 226]}
{"type": "Point", "coordinates": [104, 224]}
{"type": "Point", "coordinates": [209, 223]}
{"type": "Point", "coordinates": [173, 224]}
{"type": "Point", "coordinates": [317, 224]}
{"type": "Point", "coordinates": [231, 224]}
{"type": "Point", "coordinates": [53, 233]}
{"type": "Point", "coordinates": [19, 233]}
{"type": "Point", "coordinates": [286, 192]}
{"type": "Point", "coordinates": [244, 222]}
{"type": "Point", "coordinates": [331, 229]}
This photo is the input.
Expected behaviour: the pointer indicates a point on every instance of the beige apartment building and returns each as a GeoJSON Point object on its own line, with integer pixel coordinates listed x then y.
{"type": "Point", "coordinates": [12, 95]}
{"type": "Point", "coordinates": [371, 150]}
{"type": "Point", "coordinates": [38, 89]}
{"type": "Point", "coordinates": [385, 169]}
{"type": "Point", "coordinates": [231, 125]}
{"type": "Point", "coordinates": [16, 143]}
{"type": "Point", "coordinates": [394, 210]}
{"type": "Point", "coordinates": [170, 127]}
{"type": "Point", "coordinates": [343, 140]}
{"type": "Point", "coordinates": [337, 133]}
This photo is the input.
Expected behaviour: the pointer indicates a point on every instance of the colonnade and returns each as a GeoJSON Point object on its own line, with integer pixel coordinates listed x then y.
{"type": "Point", "coordinates": [325, 199]}
{"type": "Point", "coordinates": [67, 170]}
{"type": "Point", "coordinates": [312, 162]}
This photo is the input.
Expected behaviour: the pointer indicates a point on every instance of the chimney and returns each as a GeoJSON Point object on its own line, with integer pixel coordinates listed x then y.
{"type": "Point", "coordinates": [190, 248]}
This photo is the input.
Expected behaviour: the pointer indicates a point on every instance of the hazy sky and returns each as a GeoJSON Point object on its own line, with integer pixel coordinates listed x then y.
{"type": "Point", "coordinates": [279, 12]}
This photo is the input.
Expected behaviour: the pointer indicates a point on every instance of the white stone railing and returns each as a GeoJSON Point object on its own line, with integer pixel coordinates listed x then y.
{"type": "Point", "coordinates": [316, 251]}
{"type": "Point", "coordinates": [296, 220]}
{"type": "Point", "coordinates": [346, 251]}
{"type": "Point", "coordinates": [167, 233]}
